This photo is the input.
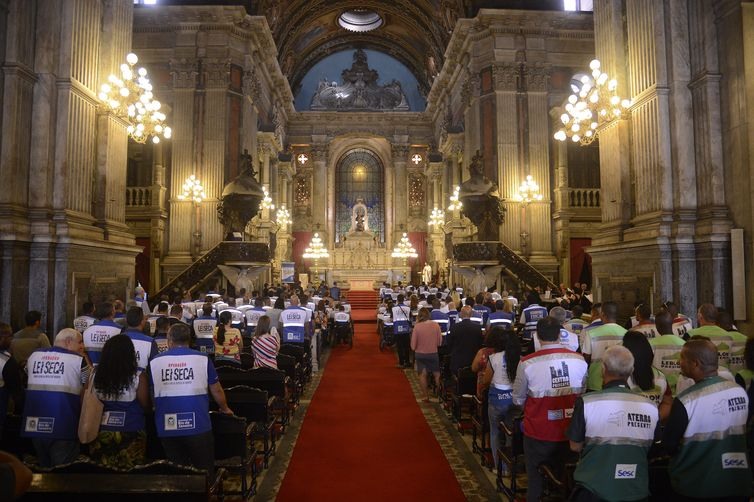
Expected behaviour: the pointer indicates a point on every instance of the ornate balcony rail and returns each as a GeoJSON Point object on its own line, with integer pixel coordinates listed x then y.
{"type": "Point", "coordinates": [584, 197]}
{"type": "Point", "coordinates": [138, 196]}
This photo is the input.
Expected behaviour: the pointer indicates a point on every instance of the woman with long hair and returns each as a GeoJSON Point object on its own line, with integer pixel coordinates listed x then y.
{"type": "Point", "coordinates": [124, 392]}
{"type": "Point", "coordinates": [425, 339]}
{"type": "Point", "coordinates": [646, 379]}
{"type": "Point", "coordinates": [228, 341]}
{"type": "Point", "coordinates": [500, 374]}
{"type": "Point", "coordinates": [265, 344]}
{"type": "Point", "coordinates": [274, 312]}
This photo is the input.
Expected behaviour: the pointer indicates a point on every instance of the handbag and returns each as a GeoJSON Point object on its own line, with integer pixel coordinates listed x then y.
{"type": "Point", "coordinates": [91, 414]}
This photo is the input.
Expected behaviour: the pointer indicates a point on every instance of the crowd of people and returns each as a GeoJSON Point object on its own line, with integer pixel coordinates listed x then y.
{"type": "Point", "coordinates": [150, 364]}
{"type": "Point", "coordinates": [661, 385]}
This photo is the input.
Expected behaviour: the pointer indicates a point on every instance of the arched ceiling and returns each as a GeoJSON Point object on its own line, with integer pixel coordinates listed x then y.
{"type": "Point", "coordinates": [415, 32]}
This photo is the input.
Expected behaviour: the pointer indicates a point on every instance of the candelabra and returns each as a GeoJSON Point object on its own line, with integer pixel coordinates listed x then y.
{"type": "Point", "coordinates": [437, 218]}
{"type": "Point", "coordinates": [316, 251]}
{"type": "Point", "coordinates": [266, 201]}
{"type": "Point", "coordinates": [528, 192]}
{"type": "Point", "coordinates": [130, 98]}
{"type": "Point", "coordinates": [283, 216]}
{"type": "Point", "coordinates": [455, 202]}
{"type": "Point", "coordinates": [594, 104]}
{"type": "Point", "coordinates": [194, 191]}
{"type": "Point", "coordinates": [404, 250]}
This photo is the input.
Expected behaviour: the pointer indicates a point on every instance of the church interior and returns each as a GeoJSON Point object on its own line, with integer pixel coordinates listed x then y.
{"type": "Point", "coordinates": [153, 142]}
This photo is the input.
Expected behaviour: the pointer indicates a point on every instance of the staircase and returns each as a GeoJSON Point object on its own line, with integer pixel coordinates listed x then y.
{"type": "Point", "coordinates": [513, 264]}
{"type": "Point", "coordinates": [363, 305]}
{"type": "Point", "coordinates": [226, 252]}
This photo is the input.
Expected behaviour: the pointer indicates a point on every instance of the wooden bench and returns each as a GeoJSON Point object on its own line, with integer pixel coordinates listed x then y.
{"type": "Point", "coordinates": [158, 481]}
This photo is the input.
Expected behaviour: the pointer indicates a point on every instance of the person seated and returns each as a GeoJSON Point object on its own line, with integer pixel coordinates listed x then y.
{"type": "Point", "coordinates": [161, 337]}
{"type": "Point", "coordinates": [343, 324]}
{"type": "Point", "coordinates": [265, 344]}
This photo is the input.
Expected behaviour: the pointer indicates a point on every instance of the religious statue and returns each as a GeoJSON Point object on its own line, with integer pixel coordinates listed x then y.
{"type": "Point", "coordinates": [481, 202]}
{"type": "Point", "coordinates": [359, 217]}
{"type": "Point", "coordinates": [246, 164]}
{"type": "Point", "coordinates": [427, 273]}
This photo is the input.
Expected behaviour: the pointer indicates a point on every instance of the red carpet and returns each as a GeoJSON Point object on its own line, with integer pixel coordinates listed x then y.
{"type": "Point", "coordinates": [364, 436]}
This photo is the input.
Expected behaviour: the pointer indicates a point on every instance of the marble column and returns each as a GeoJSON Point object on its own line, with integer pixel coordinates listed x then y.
{"type": "Point", "coordinates": [400, 189]}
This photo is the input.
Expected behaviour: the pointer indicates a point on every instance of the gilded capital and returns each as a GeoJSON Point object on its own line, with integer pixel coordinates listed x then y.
{"type": "Point", "coordinates": [506, 76]}
{"type": "Point", "coordinates": [184, 72]}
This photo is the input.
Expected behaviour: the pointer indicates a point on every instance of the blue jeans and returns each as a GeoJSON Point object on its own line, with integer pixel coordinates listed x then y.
{"type": "Point", "coordinates": [499, 403]}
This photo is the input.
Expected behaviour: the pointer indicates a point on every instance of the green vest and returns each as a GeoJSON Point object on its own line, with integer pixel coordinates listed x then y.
{"type": "Point", "coordinates": [721, 338]}
{"type": "Point", "coordinates": [736, 358]}
{"type": "Point", "coordinates": [600, 338]}
{"type": "Point", "coordinates": [620, 426]}
{"type": "Point", "coordinates": [667, 357]}
{"type": "Point", "coordinates": [712, 460]}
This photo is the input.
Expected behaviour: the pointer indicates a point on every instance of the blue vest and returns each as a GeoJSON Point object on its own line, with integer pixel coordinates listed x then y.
{"type": "Point", "coordinates": [293, 320]}
{"type": "Point", "coordinates": [53, 394]}
{"type": "Point", "coordinates": [123, 414]}
{"type": "Point", "coordinates": [531, 315]}
{"type": "Point", "coordinates": [503, 318]}
{"type": "Point", "coordinates": [96, 335]}
{"type": "Point", "coordinates": [145, 346]}
{"type": "Point", "coordinates": [204, 329]}
{"type": "Point", "coordinates": [180, 379]}
{"type": "Point", "coordinates": [442, 319]}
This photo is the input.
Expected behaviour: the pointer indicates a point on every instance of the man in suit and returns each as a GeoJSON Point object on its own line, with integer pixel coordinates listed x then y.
{"type": "Point", "coordinates": [464, 340]}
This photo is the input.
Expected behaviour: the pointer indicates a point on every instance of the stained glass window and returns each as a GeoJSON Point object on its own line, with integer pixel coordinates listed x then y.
{"type": "Point", "coordinates": [359, 175]}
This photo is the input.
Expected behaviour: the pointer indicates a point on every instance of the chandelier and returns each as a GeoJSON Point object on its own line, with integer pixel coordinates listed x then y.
{"type": "Point", "coordinates": [528, 191]}
{"type": "Point", "coordinates": [404, 249]}
{"type": "Point", "coordinates": [593, 106]}
{"type": "Point", "coordinates": [283, 216]}
{"type": "Point", "coordinates": [316, 250]}
{"type": "Point", "coordinates": [192, 190]}
{"type": "Point", "coordinates": [266, 201]}
{"type": "Point", "coordinates": [455, 202]}
{"type": "Point", "coordinates": [130, 98]}
{"type": "Point", "coordinates": [437, 218]}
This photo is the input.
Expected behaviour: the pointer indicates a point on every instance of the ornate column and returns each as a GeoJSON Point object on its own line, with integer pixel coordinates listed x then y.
{"type": "Point", "coordinates": [400, 189]}
{"type": "Point", "coordinates": [251, 92]}
{"type": "Point", "coordinates": [184, 72]}
{"type": "Point", "coordinates": [511, 170]}
{"type": "Point", "coordinates": [537, 75]}
{"type": "Point", "coordinates": [323, 210]}
{"type": "Point", "coordinates": [562, 214]}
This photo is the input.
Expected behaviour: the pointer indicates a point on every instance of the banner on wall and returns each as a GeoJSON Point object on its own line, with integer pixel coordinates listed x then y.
{"type": "Point", "coordinates": [288, 272]}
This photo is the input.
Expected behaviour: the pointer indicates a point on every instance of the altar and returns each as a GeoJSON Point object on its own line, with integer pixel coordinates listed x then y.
{"type": "Point", "coordinates": [364, 263]}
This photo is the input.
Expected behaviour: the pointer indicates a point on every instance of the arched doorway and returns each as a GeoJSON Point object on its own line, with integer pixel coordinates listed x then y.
{"type": "Point", "coordinates": [359, 175]}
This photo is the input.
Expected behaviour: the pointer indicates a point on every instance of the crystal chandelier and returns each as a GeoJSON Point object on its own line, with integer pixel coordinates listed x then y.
{"type": "Point", "coordinates": [528, 191]}
{"type": "Point", "coordinates": [266, 201]}
{"type": "Point", "coordinates": [283, 216]}
{"type": "Point", "coordinates": [316, 250]}
{"type": "Point", "coordinates": [404, 249]}
{"type": "Point", "coordinates": [437, 218]}
{"type": "Point", "coordinates": [455, 202]}
{"type": "Point", "coordinates": [594, 105]}
{"type": "Point", "coordinates": [192, 190]}
{"type": "Point", "coordinates": [130, 98]}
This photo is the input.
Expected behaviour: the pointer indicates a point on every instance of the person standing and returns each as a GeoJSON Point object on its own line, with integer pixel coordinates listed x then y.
{"type": "Point", "coordinates": [547, 384]}
{"type": "Point", "coordinates": [707, 318]}
{"type": "Point", "coordinates": [613, 430]}
{"type": "Point", "coordinates": [425, 338]}
{"type": "Point", "coordinates": [464, 341]}
{"type": "Point", "coordinates": [204, 328]}
{"type": "Point", "coordinates": [57, 378]}
{"type": "Point", "coordinates": [182, 380]}
{"type": "Point", "coordinates": [123, 388]}
{"type": "Point", "coordinates": [499, 375]}
{"type": "Point", "coordinates": [335, 291]}
{"type": "Point", "coordinates": [402, 330]}
{"type": "Point", "coordinates": [667, 349]}
{"type": "Point", "coordinates": [706, 431]}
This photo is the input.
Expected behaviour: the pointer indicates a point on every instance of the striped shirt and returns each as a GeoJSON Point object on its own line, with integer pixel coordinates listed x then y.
{"type": "Point", "coordinates": [265, 349]}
